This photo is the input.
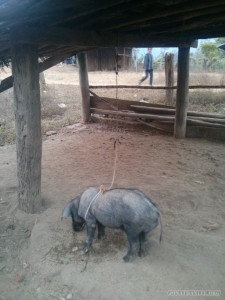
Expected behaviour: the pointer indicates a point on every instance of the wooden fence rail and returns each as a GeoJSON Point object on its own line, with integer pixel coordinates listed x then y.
{"type": "Point", "coordinates": [149, 113]}
{"type": "Point", "coordinates": [157, 87]}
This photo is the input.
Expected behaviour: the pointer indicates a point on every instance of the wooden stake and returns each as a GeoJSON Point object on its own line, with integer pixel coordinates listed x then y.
{"type": "Point", "coordinates": [169, 73]}
{"type": "Point", "coordinates": [84, 86]}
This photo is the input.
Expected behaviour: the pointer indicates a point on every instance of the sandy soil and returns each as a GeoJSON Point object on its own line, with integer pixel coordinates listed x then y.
{"type": "Point", "coordinates": [40, 256]}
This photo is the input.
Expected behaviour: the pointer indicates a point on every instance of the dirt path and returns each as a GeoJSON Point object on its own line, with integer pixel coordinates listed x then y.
{"type": "Point", "coordinates": [40, 256]}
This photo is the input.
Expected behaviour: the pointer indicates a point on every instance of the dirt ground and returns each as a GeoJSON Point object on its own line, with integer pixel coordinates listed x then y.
{"type": "Point", "coordinates": [41, 257]}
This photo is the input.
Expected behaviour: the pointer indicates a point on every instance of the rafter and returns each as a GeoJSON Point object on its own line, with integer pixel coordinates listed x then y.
{"type": "Point", "coordinates": [62, 36]}
{"type": "Point", "coordinates": [58, 26]}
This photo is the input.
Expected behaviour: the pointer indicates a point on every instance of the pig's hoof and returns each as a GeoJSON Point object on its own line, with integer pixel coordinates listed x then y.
{"type": "Point", "coordinates": [86, 249]}
{"type": "Point", "coordinates": [126, 258]}
{"type": "Point", "coordinates": [101, 237]}
{"type": "Point", "coordinates": [142, 253]}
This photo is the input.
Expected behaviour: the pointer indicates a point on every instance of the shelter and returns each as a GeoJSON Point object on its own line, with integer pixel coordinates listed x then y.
{"type": "Point", "coordinates": [59, 29]}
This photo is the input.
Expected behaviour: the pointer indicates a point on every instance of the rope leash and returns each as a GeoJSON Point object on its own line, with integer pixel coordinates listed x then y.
{"type": "Point", "coordinates": [102, 188]}
{"type": "Point", "coordinates": [95, 197]}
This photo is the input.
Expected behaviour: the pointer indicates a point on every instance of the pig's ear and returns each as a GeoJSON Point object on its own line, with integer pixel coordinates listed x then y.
{"type": "Point", "coordinates": [67, 212]}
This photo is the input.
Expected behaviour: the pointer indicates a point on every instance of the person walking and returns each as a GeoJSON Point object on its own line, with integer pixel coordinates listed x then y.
{"type": "Point", "coordinates": [148, 66]}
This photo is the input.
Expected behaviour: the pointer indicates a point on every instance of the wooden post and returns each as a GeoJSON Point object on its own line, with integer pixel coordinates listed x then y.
{"type": "Point", "coordinates": [169, 74]}
{"type": "Point", "coordinates": [182, 93]}
{"type": "Point", "coordinates": [84, 85]}
{"type": "Point", "coordinates": [28, 125]}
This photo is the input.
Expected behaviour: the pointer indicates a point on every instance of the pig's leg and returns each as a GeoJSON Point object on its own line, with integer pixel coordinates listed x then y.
{"type": "Point", "coordinates": [142, 240]}
{"type": "Point", "coordinates": [101, 231]}
{"type": "Point", "coordinates": [133, 240]}
{"type": "Point", "coordinates": [90, 235]}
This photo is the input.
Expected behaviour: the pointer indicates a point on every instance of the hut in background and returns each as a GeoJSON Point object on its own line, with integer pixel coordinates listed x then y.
{"type": "Point", "coordinates": [104, 59]}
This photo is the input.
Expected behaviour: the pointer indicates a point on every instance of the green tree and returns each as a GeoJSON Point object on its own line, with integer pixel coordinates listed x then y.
{"type": "Point", "coordinates": [213, 56]}
{"type": "Point", "coordinates": [210, 51]}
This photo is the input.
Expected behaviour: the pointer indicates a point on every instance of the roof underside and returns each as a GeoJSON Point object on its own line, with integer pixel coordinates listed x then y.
{"type": "Point", "coordinates": [71, 26]}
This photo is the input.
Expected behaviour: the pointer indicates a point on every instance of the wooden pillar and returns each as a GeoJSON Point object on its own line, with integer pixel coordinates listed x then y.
{"type": "Point", "coordinates": [182, 93]}
{"type": "Point", "coordinates": [84, 86]}
{"type": "Point", "coordinates": [169, 74]}
{"type": "Point", "coordinates": [28, 125]}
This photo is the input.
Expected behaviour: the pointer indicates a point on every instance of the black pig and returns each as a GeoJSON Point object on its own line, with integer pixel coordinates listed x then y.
{"type": "Point", "coordinates": [127, 209]}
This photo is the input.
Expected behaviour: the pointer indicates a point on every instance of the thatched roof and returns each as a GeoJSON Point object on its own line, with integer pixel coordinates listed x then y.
{"type": "Point", "coordinates": [70, 26]}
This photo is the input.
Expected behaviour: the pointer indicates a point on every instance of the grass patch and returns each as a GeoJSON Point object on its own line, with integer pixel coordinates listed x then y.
{"type": "Point", "coordinates": [207, 100]}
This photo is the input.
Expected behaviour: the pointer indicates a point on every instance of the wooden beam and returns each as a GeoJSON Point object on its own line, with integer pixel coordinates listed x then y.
{"type": "Point", "coordinates": [182, 93]}
{"type": "Point", "coordinates": [131, 86]}
{"type": "Point", "coordinates": [156, 87]}
{"type": "Point", "coordinates": [161, 119]}
{"type": "Point", "coordinates": [7, 83]}
{"type": "Point", "coordinates": [28, 125]}
{"type": "Point", "coordinates": [171, 111]}
{"type": "Point", "coordinates": [132, 114]}
{"type": "Point", "coordinates": [107, 103]}
{"type": "Point", "coordinates": [204, 123]}
{"type": "Point", "coordinates": [84, 86]}
{"type": "Point", "coordinates": [84, 38]}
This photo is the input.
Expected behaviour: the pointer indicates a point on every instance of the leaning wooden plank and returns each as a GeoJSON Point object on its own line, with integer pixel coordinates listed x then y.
{"type": "Point", "coordinates": [103, 100]}
{"type": "Point", "coordinates": [7, 83]}
{"type": "Point", "coordinates": [150, 109]}
{"type": "Point", "coordinates": [203, 123]}
{"type": "Point", "coordinates": [211, 120]}
{"type": "Point", "coordinates": [205, 114]}
{"type": "Point", "coordinates": [160, 118]}
{"type": "Point", "coordinates": [131, 114]}
{"type": "Point", "coordinates": [154, 126]}
{"type": "Point", "coordinates": [107, 103]}
{"type": "Point", "coordinates": [171, 111]}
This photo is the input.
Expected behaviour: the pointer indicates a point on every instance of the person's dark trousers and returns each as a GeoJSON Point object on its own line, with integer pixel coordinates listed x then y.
{"type": "Point", "coordinates": [150, 73]}
{"type": "Point", "coordinates": [151, 76]}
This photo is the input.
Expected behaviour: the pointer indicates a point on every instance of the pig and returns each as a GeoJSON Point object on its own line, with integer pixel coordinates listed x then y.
{"type": "Point", "coordinates": [127, 209]}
